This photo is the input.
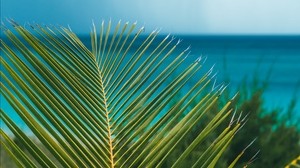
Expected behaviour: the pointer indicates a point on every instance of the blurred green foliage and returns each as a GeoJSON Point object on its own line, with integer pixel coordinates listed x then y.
{"type": "Point", "coordinates": [276, 130]}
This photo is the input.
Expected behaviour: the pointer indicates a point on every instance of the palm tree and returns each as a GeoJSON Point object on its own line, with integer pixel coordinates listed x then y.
{"type": "Point", "coordinates": [110, 106]}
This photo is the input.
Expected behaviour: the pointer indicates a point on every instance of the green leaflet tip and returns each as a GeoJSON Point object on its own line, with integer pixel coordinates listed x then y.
{"type": "Point", "coordinates": [203, 59]}
{"type": "Point", "coordinates": [234, 96]}
{"type": "Point", "coordinates": [69, 28]}
{"type": "Point", "coordinates": [220, 86]}
{"type": "Point", "coordinates": [158, 30]}
{"type": "Point", "coordinates": [250, 144]}
{"type": "Point", "coordinates": [238, 120]}
{"type": "Point", "coordinates": [243, 124]}
{"type": "Point", "coordinates": [178, 42]}
{"type": "Point", "coordinates": [12, 22]}
{"type": "Point", "coordinates": [154, 31]}
{"type": "Point", "coordinates": [245, 117]}
{"type": "Point", "coordinates": [198, 59]}
{"type": "Point", "coordinates": [223, 88]}
{"type": "Point", "coordinates": [188, 48]}
{"type": "Point", "coordinates": [232, 118]}
{"type": "Point", "coordinates": [187, 55]}
{"type": "Point", "coordinates": [167, 36]}
{"type": "Point", "coordinates": [31, 26]}
{"type": "Point", "coordinates": [211, 70]}
{"type": "Point", "coordinates": [3, 27]}
{"type": "Point", "coordinates": [253, 158]}
{"type": "Point", "coordinates": [173, 38]}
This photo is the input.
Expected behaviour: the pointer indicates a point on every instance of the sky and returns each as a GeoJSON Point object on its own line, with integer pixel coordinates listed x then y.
{"type": "Point", "coordinates": [247, 17]}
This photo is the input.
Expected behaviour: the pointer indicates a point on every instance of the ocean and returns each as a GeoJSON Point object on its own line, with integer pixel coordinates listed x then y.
{"type": "Point", "coordinates": [271, 59]}
{"type": "Point", "coordinates": [241, 59]}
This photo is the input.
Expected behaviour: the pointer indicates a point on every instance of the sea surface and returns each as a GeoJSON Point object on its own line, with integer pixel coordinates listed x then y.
{"type": "Point", "coordinates": [238, 60]}
{"type": "Point", "coordinates": [241, 59]}
{"type": "Point", "coordinates": [274, 59]}
{"type": "Point", "coordinates": [271, 59]}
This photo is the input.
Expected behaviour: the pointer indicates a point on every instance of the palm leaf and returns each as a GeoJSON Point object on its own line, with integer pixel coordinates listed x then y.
{"type": "Point", "coordinates": [108, 106]}
{"type": "Point", "coordinates": [294, 163]}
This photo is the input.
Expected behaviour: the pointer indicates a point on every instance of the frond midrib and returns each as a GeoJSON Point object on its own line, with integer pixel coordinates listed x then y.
{"type": "Point", "coordinates": [106, 112]}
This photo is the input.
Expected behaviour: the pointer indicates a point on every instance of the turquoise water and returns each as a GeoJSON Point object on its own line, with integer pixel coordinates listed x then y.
{"type": "Point", "coordinates": [275, 59]}
{"type": "Point", "coordinates": [237, 58]}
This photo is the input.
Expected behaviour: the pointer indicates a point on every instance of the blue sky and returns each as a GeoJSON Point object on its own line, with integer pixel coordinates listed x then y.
{"type": "Point", "coordinates": [173, 16]}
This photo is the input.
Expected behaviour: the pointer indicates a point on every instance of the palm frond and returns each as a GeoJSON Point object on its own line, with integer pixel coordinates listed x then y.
{"type": "Point", "coordinates": [294, 163]}
{"type": "Point", "coordinates": [108, 106]}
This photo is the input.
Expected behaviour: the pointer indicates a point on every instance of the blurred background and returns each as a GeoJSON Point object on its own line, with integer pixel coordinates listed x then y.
{"type": "Point", "coordinates": [254, 44]}
{"type": "Point", "coordinates": [248, 17]}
